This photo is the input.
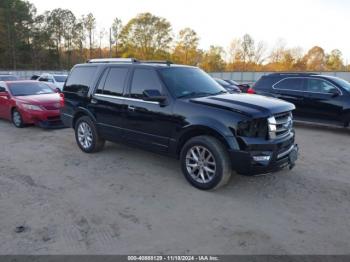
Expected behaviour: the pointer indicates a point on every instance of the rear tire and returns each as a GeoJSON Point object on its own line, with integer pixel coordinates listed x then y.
{"type": "Point", "coordinates": [17, 119]}
{"type": "Point", "coordinates": [87, 136]}
{"type": "Point", "coordinates": [205, 163]}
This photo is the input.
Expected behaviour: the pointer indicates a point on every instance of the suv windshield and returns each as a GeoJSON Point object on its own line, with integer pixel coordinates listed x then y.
{"type": "Point", "coordinates": [344, 84]}
{"type": "Point", "coordinates": [60, 79]}
{"type": "Point", "coordinates": [189, 82]}
{"type": "Point", "coordinates": [29, 89]}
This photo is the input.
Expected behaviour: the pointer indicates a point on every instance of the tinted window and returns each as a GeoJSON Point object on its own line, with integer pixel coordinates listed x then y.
{"type": "Point", "coordinates": [319, 86]}
{"type": "Point", "coordinates": [60, 78]}
{"type": "Point", "coordinates": [290, 84]}
{"type": "Point", "coordinates": [102, 82]}
{"type": "Point", "coordinates": [114, 84]}
{"type": "Point", "coordinates": [29, 89]}
{"type": "Point", "coordinates": [343, 83]}
{"type": "Point", "coordinates": [187, 81]}
{"type": "Point", "coordinates": [44, 79]}
{"type": "Point", "coordinates": [144, 79]}
{"type": "Point", "coordinates": [265, 83]}
{"type": "Point", "coordinates": [80, 79]}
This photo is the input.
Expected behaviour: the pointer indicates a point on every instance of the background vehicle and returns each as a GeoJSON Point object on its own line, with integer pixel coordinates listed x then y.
{"type": "Point", "coordinates": [57, 80]}
{"type": "Point", "coordinates": [30, 102]}
{"type": "Point", "coordinates": [34, 77]}
{"type": "Point", "coordinates": [178, 111]}
{"type": "Point", "coordinates": [231, 88]}
{"type": "Point", "coordinates": [8, 78]}
{"type": "Point", "coordinates": [244, 87]}
{"type": "Point", "coordinates": [316, 97]}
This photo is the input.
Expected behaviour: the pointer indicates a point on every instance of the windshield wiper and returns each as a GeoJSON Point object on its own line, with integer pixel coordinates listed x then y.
{"type": "Point", "coordinates": [194, 94]}
{"type": "Point", "coordinates": [220, 92]}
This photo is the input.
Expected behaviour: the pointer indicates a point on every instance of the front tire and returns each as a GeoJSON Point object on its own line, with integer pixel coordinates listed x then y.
{"type": "Point", "coordinates": [87, 137]}
{"type": "Point", "coordinates": [17, 119]}
{"type": "Point", "coordinates": [205, 163]}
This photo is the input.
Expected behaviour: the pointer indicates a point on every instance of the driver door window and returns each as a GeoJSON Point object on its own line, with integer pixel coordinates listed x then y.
{"type": "Point", "coordinates": [144, 79]}
{"type": "Point", "coordinates": [319, 86]}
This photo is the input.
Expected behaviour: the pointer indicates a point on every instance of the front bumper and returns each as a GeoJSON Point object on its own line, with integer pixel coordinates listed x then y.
{"type": "Point", "coordinates": [44, 119]}
{"type": "Point", "coordinates": [282, 153]}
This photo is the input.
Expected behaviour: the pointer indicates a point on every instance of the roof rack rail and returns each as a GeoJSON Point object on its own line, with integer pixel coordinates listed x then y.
{"type": "Point", "coordinates": [293, 73]}
{"type": "Point", "coordinates": [113, 60]}
{"type": "Point", "coordinates": [166, 62]}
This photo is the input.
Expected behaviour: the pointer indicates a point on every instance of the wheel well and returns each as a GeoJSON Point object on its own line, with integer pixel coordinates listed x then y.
{"type": "Point", "coordinates": [77, 116]}
{"type": "Point", "coordinates": [200, 131]}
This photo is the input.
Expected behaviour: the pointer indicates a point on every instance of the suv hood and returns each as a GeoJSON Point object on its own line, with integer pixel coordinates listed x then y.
{"type": "Point", "coordinates": [254, 106]}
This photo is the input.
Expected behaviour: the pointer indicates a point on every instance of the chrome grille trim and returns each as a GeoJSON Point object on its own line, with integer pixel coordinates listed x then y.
{"type": "Point", "coordinates": [280, 125]}
{"type": "Point", "coordinates": [283, 154]}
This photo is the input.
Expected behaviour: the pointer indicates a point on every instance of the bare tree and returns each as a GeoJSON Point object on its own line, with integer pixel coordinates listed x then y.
{"type": "Point", "coordinates": [90, 25]}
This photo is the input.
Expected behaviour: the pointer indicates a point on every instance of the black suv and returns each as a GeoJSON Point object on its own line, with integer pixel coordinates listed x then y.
{"type": "Point", "coordinates": [316, 97]}
{"type": "Point", "coordinates": [182, 112]}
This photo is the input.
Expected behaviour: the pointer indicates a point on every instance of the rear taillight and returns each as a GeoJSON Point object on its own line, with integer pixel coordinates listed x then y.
{"type": "Point", "coordinates": [251, 91]}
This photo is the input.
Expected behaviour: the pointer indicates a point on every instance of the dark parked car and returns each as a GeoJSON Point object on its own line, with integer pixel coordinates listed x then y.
{"type": "Point", "coordinates": [178, 111]}
{"type": "Point", "coordinates": [243, 87]}
{"type": "Point", "coordinates": [316, 97]}
{"type": "Point", "coordinates": [34, 77]}
{"type": "Point", "coordinates": [229, 87]}
{"type": "Point", "coordinates": [8, 78]}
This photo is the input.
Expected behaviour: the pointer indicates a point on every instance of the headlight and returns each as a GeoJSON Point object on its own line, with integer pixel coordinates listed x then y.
{"type": "Point", "coordinates": [32, 107]}
{"type": "Point", "coordinates": [253, 128]}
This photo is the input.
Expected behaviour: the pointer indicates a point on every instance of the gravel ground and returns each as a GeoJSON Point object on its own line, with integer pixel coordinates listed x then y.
{"type": "Point", "coordinates": [127, 201]}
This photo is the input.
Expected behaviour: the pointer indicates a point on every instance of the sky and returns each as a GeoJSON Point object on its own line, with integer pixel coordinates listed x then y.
{"type": "Point", "coordinates": [299, 23]}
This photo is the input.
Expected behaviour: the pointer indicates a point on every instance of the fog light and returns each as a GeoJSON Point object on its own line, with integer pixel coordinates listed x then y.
{"type": "Point", "coordinates": [261, 158]}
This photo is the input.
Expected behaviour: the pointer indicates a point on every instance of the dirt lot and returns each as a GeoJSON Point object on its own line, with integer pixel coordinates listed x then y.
{"type": "Point", "coordinates": [128, 201]}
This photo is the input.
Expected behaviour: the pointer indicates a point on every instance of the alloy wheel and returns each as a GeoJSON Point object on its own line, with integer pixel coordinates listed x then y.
{"type": "Point", "coordinates": [85, 136]}
{"type": "Point", "coordinates": [200, 164]}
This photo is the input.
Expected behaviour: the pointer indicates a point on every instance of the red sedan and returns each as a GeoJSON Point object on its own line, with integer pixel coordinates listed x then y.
{"type": "Point", "coordinates": [30, 102]}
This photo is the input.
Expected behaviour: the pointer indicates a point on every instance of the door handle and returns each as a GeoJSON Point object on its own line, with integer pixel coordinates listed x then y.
{"type": "Point", "coordinates": [93, 101]}
{"type": "Point", "coordinates": [131, 108]}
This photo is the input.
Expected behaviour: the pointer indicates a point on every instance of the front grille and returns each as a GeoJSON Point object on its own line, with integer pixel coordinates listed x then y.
{"type": "Point", "coordinates": [53, 106]}
{"type": "Point", "coordinates": [280, 125]}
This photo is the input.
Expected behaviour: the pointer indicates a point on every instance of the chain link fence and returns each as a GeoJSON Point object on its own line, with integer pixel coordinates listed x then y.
{"type": "Point", "coordinates": [27, 74]}
{"type": "Point", "coordinates": [240, 77]}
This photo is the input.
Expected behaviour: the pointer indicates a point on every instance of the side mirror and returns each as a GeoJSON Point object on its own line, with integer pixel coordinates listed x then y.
{"type": "Point", "coordinates": [334, 92]}
{"type": "Point", "coordinates": [153, 95]}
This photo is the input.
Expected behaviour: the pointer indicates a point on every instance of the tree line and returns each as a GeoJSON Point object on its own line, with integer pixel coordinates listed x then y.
{"type": "Point", "coordinates": [57, 39]}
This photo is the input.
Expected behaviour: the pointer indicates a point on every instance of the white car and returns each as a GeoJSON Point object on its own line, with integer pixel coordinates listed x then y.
{"type": "Point", "coordinates": [57, 80]}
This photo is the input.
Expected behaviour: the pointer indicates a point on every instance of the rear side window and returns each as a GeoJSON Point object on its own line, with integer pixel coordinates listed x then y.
{"type": "Point", "coordinates": [144, 79]}
{"type": "Point", "coordinates": [264, 83]}
{"type": "Point", "coordinates": [115, 80]}
{"type": "Point", "coordinates": [290, 84]}
{"type": "Point", "coordinates": [80, 79]}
